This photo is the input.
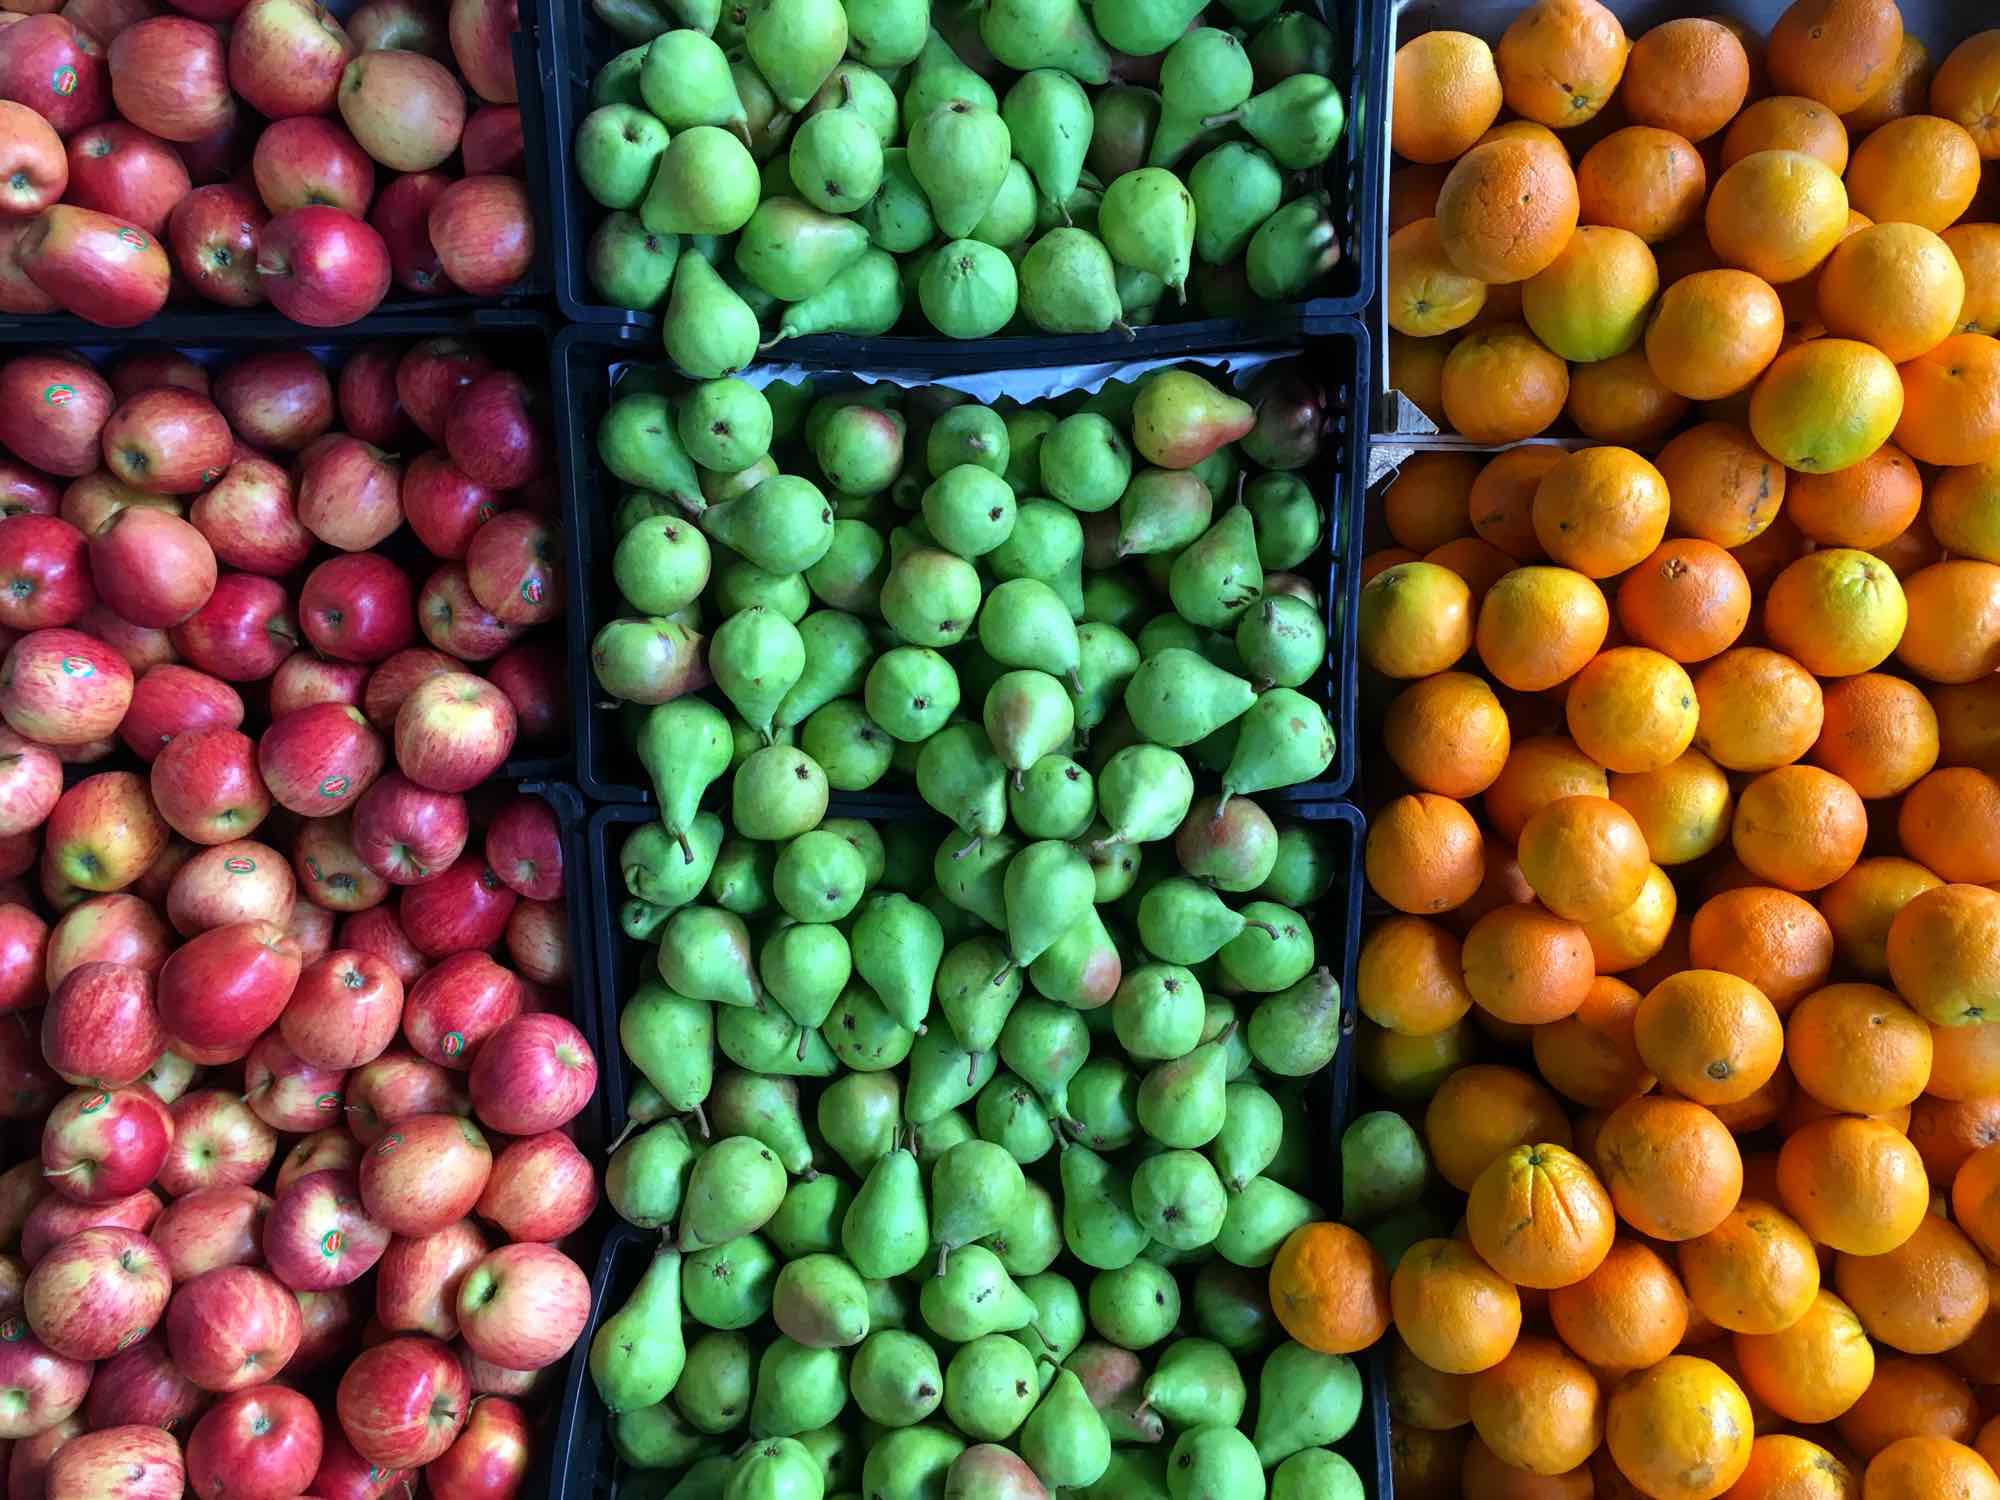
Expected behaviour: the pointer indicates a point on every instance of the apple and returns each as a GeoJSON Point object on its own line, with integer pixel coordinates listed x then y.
{"type": "Point", "coordinates": [318, 760]}
{"type": "Point", "coordinates": [169, 75]}
{"type": "Point", "coordinates": [305, 160]}
{"type": "Point", "coordinates": [62, 687]}
{"type": "Point", "coordinates": [91, 263]}
{"type": "Point", "coordinates": [322, 266]}
{"type": "Point", "coordinates": [103, 832]}
{"type": "Point", "coordinates": [401, 215]}
{"type": "Point", "coordinates": [212, 1227]}
{"type": "Point", "coordinates": [457, 623]}
{"type": "Point", "coordinates": [89, 502]}
{"type": "Point", "coordinates": [167, 441]}
{"type": "Point", "coordinates": [303, 680]}
{"type": "Point", "coordinates": [453, 731]}
{"type": "Point", "coordinates": [205, 784]}
{"type": "Point", "coordinates": [484, 231]}
{"type": "Point", "coordinates": [248, 519]}
{"type": "Point", "coordinates": [542, 1188]}
{"type": "Point", "coordinates": [213, 232]}
{"type": "Point", "coordinates": [524, 847]}
{"type": "Point", "coordinates": [490, 1458]}
{"type": "Point", "coordinates": [56, 70]}
{"type": "Point", "coordinates": [515, 568]}
{"type": "Point", "coordinates": [408, 25]}
{"type": "Point", "coordinates": [112, 928]}
{"type": "Point", "coordinates": [430, 375]}
{"type": "Point", "coordinates": [311, 927]}
{"type": "Point", "coordinates": [151, 567]}
{"type": "Point", "coordinates": [288, 1093]}
{"type": "Point", "coordinates": [33, 169]}
{"type": "Point", "coordinates": [147, 368]}
{"type": "Point", "coordinates": [493, 142]}
{"type": "Point", "coordinates": [489, 1379]}
{"type": "Point", "coordinates": [329, 867]}
{"type": "Point", "coordinates": [531, 675]}
{"type": "Point", "coordinates": [328, 1150]}
{"type": "Point", "coordinates": [346, 1475]}
{"type": "Point", "coordinates": [358, 607]}
{"type": "Point", "coordinates": [44, 573]}
{"type": "Point", "coordinates": [28, 1464]}
{"type": "Point", "coordinates": [285, 57]}
{"type": "Point", "coordinates": [377, 931]}
{"type": "Point", "coordinates": [444, 505]}
{"type": "Point", "coordinates": [140, 645]}
{"type": "Point", "coordinates": [100, 1145]}
{"type": "Point", "coordinates": [457, 1004]}
{"type": "Point", "coordinates": [18, 293]}
{"type": "Point", "coordinates": [401, 1403]}
{"type": "Point", "coordinates": [121, 170]}
{"type": "Point", "coordinates": [395, 678]}
{"type": "Point", "coordinates": [27, 1086]}
{"type": "Point", "coordinates": [140, 1384]}
{"type": "Point", "coordinates": [104, 19]}
{"type": "Point", "coordinates": [482, 39]}
{"type": "Point", "coordinates": [233, 1327]}
{"type": "Point", "coordinates": [262, 1443]}
{"type": "Point", "coordinates": [25, 491]}
{"type": "Point", "coordinates": [223, 988]}
{"type": "Point", "coordinates": [534, 1074]}
{"type": "Point", "coordinates": [524, 1306]}
{"type": "Point", "coordinates": [464, 909]}
{"type": "Point", "coordinates": [406, 109]}
{"type": "Point", "coordinates": [279, 401]}
{"type": "Point", "coordinates": [396, 1087]}
{"type": "Point", "coordinates": [24, 938]}
{"type": "Point", "coordinates": [21, 1188]}
{"type": "Point", "coordinates": [317, 1236]}
{"type": "Point", "coordinates": [134, 1462]}
{"type": "Point", "coordinates": [370, 408]}
{"type": "Point", "coordinates": [426, 1172]}
{"type": "Point", "coordinates": [218, 1142]}
{"type": "Point", "coordinates": [170, 1076]}
{"type": "Point", "coordinates": [18, 856]}
{"type": "Point", "coordinates": [243, 632]}
{"type": "Point", "coordinates": [350, 495]}
{"type": "Point", "coordinates": [170, 700]}
{"type": "Point", "coordinates": [406, 833]}
{"type": "Point", "coordinates": [345, 1012]}
{"type": "Point", "coordinates": [97, 1292]}
{"type": "Point", "coordinates": [240, 881]}
{"type": "Point", "coordinates": [100, 1027]}
{"type": "Point", "coordinates": [158, 878]}
{"type": "Point", "coordinates": [416, 1283]}
{"type": "Point", "coordinates": [538, 942]}
{"type": "Point", "coordinates": [329, 1321]}
{"type": "Point", "coordinates": [13, 1284]}
{"type": "Point", "coordinates": [55, 1218]}
{"type": "Point", "coordinates": [52, 408]}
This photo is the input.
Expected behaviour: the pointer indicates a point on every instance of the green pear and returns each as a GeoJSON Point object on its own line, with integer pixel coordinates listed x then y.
{"type": "Point", "coordinates": [819, 1301]}
{"type": "Point", "coordinates": [1045, 1044]}
{"type": "Point", "coordinates": [1056, 799]}
{"type": "Point", "coordinates": [1049, 122]}
{"type": "Point", "coordinates": [1046, 543]}
{"type": "Point", "coordinates": [935, 1137]}
{"type": "Point", "coordinates": [1157, 1012]}
{"type": "Point", "coordinates": [808, 1221]}
{"type": "Point", "coordinates": [837, 651]}
{"type": "Point", "coordinates": [968, 289]}
{"type": "Point", "coordinates": [1316, 1474]}
{"type": "Point", "coordinates": [862, 1033]}
{"type": "Point", "coordinates": [1282, 641]}
{"type": "Point", "coordinates": [1274, 951]}
{"type": "Point", "coordinates": [969, 510]}
{"type": "Point", "coordinates": [976, 990]}
{"type": "Point", "coordinates": [1305, 868]}
{"type": "Point", "coordinates": [784, 525]}
{"type": "Point", "coordinates": [1298, 120]}
{"type": "Point", "coordinates": [1162, 511]}
{"type": "Point", "coordinates": [967, 434]}
{"type": "Point", "coordinates": [960, 775]}
{"type": "Point", "coordinates": [1027, 715]}
{"type": "Point", "coordinates": [910, 1463]}
{"type": "Point", "coordinates": [764, 1109]}
{"type": "Point", "coordinates": [763, 1039]}
{"type": "Point", "coordinates": [1143, 27]}
{"type": "Point", "coordinates": [1197, 1381]}
{"type": "Point", "coordinates": [989, 1388]}
{"type": "Point", "coordinates": [859, 448]}
{"type": "Point", "coordinates": [898, 945]}
{"type": "Point", "coordinates": [959, 153]}
{"type": "Point", "coordinates": [713, 1392]}
{"type": "Point", "coordinates": [1046, 884]}
{"type": "Point", "coordinates": [776, 1469]}
{"type": "Point", "coordinates": [1211, 1462]}
{"type": "Point", "coordinates": [1068, 283]}
{"type": "Point", "coordinates": [1183, 1101]}
{"type": "Point", "coordinates": [1104, 1099]}
{"type": "Point", "coordinates": [835, 162]}
{"type": "Point", "coordinates": [647, 661]}
{"type": "Point", "coordinates": [617, 82]}
{"type": "Point", "coordinates": [639, 441]}
{"type": "Point", "coordinates": [1010, 218]}
{"type": "Point", "coordinates": [1144, 792]}
{"type": "Point", "coordinates": [705, 953]}
{"type": "Point", "coordinates": [1064, 1440]}
{"type": "Point", "coordinates": [797, 1388]}
{"type": "Point", "coordinates": [741, 881]}
{"type": "Point", "coordinates": [1098, 1221]}
{"type": "Point", "coordinates": [864, 297]}
{"type": "Point", "coordinates": [1295, 1032]}
{"type": "Point", "coordinates": [973, 1295]}
{"type": "Point", "coordinates": [706, 184]}
{"type": "Point", "coordinates": [1206, 72]}
{"type": "Point", "coordinates": [1184, 922]}
{"type": "Point", "coordinates": [1289, 521]}
{"type": "Point", "coordinates": [943, 1075]}
{"type": "Point", "coordinates": [709, 330]}
{"type": "Point", "coordinates": [1086, 462]}
{"type": "Point", "coordinates": [896, 1378]}
{"type": "Point", "coordinates": [1232, 1307]}
{"type": "Point", "coordinates": [887, 1228]}
{"type": "Point", "coordinates": [1012, 1116]}
{"type": "Point", "coordinates": [1106, 660]}
{"type": "Point", "coordinates": [792, 250]}
{"type": "Point", "coordinates": [1384, 1167]}
{"type": "Point", "coordinates": [1045, 35]}
{"type": "Point", "coordinates": [685, 80]}
{"type": "Point", "coordinates": [1252, 1127]}
{"type": "Point", "coordinates": [1285, 739]}
{"type": "Point", "coordinates": [706, 1479]}
{"type": "Point", "coordinates": [1218, 577]}
{"type": "Point", "coordinates": [887, 33]}
{"type": "Point", "coordinates": [728, 1286]}
{"type": "Point", "coordinates": [1305, 1399]}
{"type": "Point", "coordinates": [618, 148]}
{"type": "Point", "coordinates": [976, 1188]}
{"type": "Point", "coordinates": [671, 1038]}
{"type": "Point", "coordinates": [757, 657]}
{"type": "Point", "coordinates": [1147, 220]}
{"type": "Point", "coordinates": [735, 1186]}
{"type": "Point", "coordinates": [637, 1355]}
{"type": "Point", "coordinates": [1179, 1199]}
{"type": "Point", "coordinates": [661, 564]}
{"type": "Point", "coordinates": [1134, 1305]}
{"type": "Point", "coordinates": [647, 1175]}
{"type": "Point", "coordinates": [1081, 968]}
{"type": "Point", "coordinates": [911, 691]}
{"type": "Point", "coordinates": [658, 1436]}
{"type": "Point", "coordinates": [1260, 1219]}
{"type": "Point", "coordinates": [930, 597]}
{"type": "Point", "coordinates": [655, 870]}
{"type": "Point", "coordinates": [795, 44]}
{"type": "Point", "coordinates": [1177, 697]}
{"type": "Point", "coordinates": [1236, 188]}
{"type": "Point", "coordinates": [1179, 419]}
{"type": "Point", "coordinates": [971, 871]}
{"type": "Point", "coordinates": [859, 1115]}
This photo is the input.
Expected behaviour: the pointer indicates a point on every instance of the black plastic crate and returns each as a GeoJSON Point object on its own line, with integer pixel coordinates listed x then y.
{"type": "Point", "coordinates": [585, 1463]}
{"type": "Point", "coordinates": [588, 363]}
{"type": "Point", "coordinates": [575, 44]}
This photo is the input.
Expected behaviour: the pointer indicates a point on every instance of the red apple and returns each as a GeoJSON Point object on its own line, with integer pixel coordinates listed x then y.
{"type": "Point", "coordinates": [318, 760]}
{"type": "Point", "coordinates": [304, 680]}
{"type": "Point", "coordinates": [538, 942]}
{"type": "Point", "coordinates": [133, 1462]}
{"type": "Point", "coordinates": [146, 368]}
{"type": "Point", "coordinates": [100, 1145]}
{"type": "Point", "coordinates": [392, 682]}
{"type": "Point", "coordinates": [97, 1292]}
{"type": "Point", "coordinates": [370, 408]}
{"type": "Point", "coordinates": [33, 168]}
{"type": "Point", "coordinates": [18, 856]}
{"type": "Point", "coordinates": [44, 572]}
{"type": "Point", "coordinates": [113, 928]}
{"type": "Point", "coordinates": [169, 76]}
{"type": "Point", "coordinates": [52, 408]}
{"type": "Point", "coordinates": [542, 1188]}
{"type": "Point", "coordinates": [490, 1458]}
{"type": "Point", "coordinates": [534, 1074]}
{"type": "Point", "coordinates": [121, 170]}
{"type": "Point", "coordinates": [18, 292]}
{"type": "Point", "coordinates": [405, 108]}
{"type": "Point", "coordinates": [205, 784]}
{"type": "Point", "coordinates": [489, 1379]}
{"type": "Point", "coordinates": [232, 1327]}
{"type": "Point", "coordinates": [169, 700]}
{"type": "Point", "coordinates": [346, 1475]}
{"type": "Point", "coordinates": [377, 931]}
{"type": "Point", "coordinates": [285, 57]}
{"type": "Point", "coordinates": [21, 1188]}
{"type": "Point", "coordinates": [104, 19]}
{"type": "Point", "coordinates": [357, 608]}
{"type": "Point", "coordinates": [524, 847]}
{"type": "Point", "coordinates": [240, 881]}
{"type": "Point", "coordinates": [482, 39]}
{"type": "Point", "coordinates": [531, 675]}
{"type": "Point", "coordinates": [62, 687]}
{"type": "Point", "coordinates": [218, 1142]}
{"type": "Point", "coordinates": [257, 1444]}
{"type": "Point", "coordinates": [212, 1227]}
{"type": "Point", "coordinates": [288, 1093]}
{"type": "Point", "coordinates": [243, 632]}
{"type": "Point", "coordinates": [140, 645]}
{"type": "Point", "coordinates": [457, 623]}
{"type": "Point", "coordinates": [444, 505]}
{"type": "Point", "coordinates": [330, 868]}
{"type": "Point", "coordinates": [453, 731]}
{"type": "Point", "coordinates": [411, 25]}
{"type": "Point", "coordinates": [345, 1012]}
{"type": "Point", "coordinates": [416, 1284]}
{"type": "Point", "coordinates": [24, 938]}
{"type": "Point", "coordinates": [428, 1171]}
{"type": "Point", "coordinates": [56, 70]}
{"type": "Point", "coordinates": [311, 927]}
{"type": "Point", "coordinates": [329, 1150]}
{"type": "Point", "coordinates": [213, 232]}
{"type": "Point", "coordinates": [103, 832]}
{"type": "Point", "coordinates": [28, 1463]}
{"type": "Point", "coordinates": [55, 1218]}
{"type": "Point", "coordinates": [248, 518]}
{"type": "Point", "coordinates": [330, 1321]}
{"type": "Point", "coordinates": [464, 909]}
{"type": "Point", "coordinates": [169, 1077]}
{"type": "Point", "coordinates": [101, 1028]}
{"type": "Point", "coordinates": [322, 266]}
{"type": "Point", "coordinates": [25, 491]}
{"type": "Point", "coordinates": [167, 440]}
{"type": "Point", "coordinates": [318, 1237]}
{"type": "Point", "coordinates": [91, 501]}
{"type": "Point", "coordinates": [141, 1384]}
{"type": "Point", "coordinates": [408, 834]}
{"type": "Point", "coordinates": [398, 1086]}
{"type": "Point", "coordinates": [493, 142]}
{"type": "Point", "coordinates": [350, 495]}
{"type": "Point", "coordinates": [401, 215]}
{"type": "Point", "coordinates": [402, 1402]}
{"type": "Point", "coordinates": [223, 988]}
{"type": "Point", "coordinates": [305, 160]}
{"type": "Point", "coordinates": [95, 266]}
{"type": "Point", "coordinates": [224, 151]}
{"type": "Point", "coordinates": [431, 374]}
{"type": "Point", "coordinates": [524, 1306]}
{"type": "Point", "coordinates": [515, 568]}
{"type": "Point", "coordinates": [158, 878]}
{"type": "Point", "coordinates": [484, 231]}
{"type": "Point", "coordinates": [457, 1004]}
{"type": "Point", "coordinates": [278, 401]}
{"type": "Point", "coordinates": [152, 568]}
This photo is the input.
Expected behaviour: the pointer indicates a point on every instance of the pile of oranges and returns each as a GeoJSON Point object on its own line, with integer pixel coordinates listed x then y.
{"type": "Point", "coordinates": [1691, 982]}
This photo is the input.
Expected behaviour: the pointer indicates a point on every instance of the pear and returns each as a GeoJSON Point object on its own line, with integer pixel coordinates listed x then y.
{"type": "Point", "coordinates": [989, 1389]}
{"type": "Point", "coordinates": [685, 746]}
{"type": "Point", "coordinates": [943, 1075]}
{"type": "Point", "coordinates": [1049, 122]}
{"type": "Point", "coordinates": [910, 1463]}
{"type": "Point", "coordinates": [859, 1115]}
{"type": "Point", "coordinates": [835, 162]}
{"type": "Point", "coordinates": [1179, 419]}
{"type": "Point", "coordinates": [795, 44]}
{"type": "Point", "coordinates": [671, 1038]}
{"type": "Point", "coordinates": [765, 1109]}
{"type": "Point", "coordinates": [647, 1175]}
{"type": "Point", "coordinates": [1183, 922]}
{"type": "Point", "coordinates": [896, 1378]}
{"type": "Point", "coordinates": [939, 77]}
{"type": "Point", "coordinates": [973, 1295]}
{"type": "Point", "coordinates": [1213, 1461]}
{"type": "Point", "coordinates": [1236, 188]}
{"type": "Point", "coordinates": [1252, 1128]}
{"type": "Point", "coordinates": [728, 1286]}
{"type": "Point", "coordinates": [1135, 1305]}
{"type": "Point", "coordinates": [1086, 462]}
{"type": "Point", "coordinates": [1197, 1381]}
{"type": "Point", "coordinates": [1047, 884]}
{"type": "Point", "coordinates": [1157, 1012]}
{"type": "Point", "coordinates": [658, 1436]}
{"type": "Point", "coordinates": [1285, 739]}
{"type": "Point", "coordinates": [792, 250]}
{"type": "Point", "coordinates": [971, 872]}
{"type": "Point", "coordinates": [977, 987]}
{"type": "Point", "coordinates": [1298, 120]}
{"type": "Point", "coordinates": [706, 184]}
{"type": "Point", "coordinates": [898, 945]}
{"type": "Point", "coordinates": [1176, 697]}
{"type": "Point", "coordinates": [887, 33]}
{"type": "Point", "coordinates": [935, 1137]}
{"type": "Point", "coordinates": [1293, 248]}
{"type": "Point", "coordinates": [764, 1039]}
{"type": "Point", "coordinates": [1106, 660]}
{"type": "Point", "coordinates": [967, 434]}
{"type": "Point", "coordinates": [1305, 1399]}
{"type": "Point", "coordinates": [1144, 792]}
{"type": "Point", "coordinates": [1012, 1116]}
{"type": "Point", "coordinates": [837, 650]}
{"type": "Point", "coordinates": [784, 525]}
{"type": "Point", "coordinates": [1260, 1219]}
{"type": "Point", "coordinates": [1099, 1226]}
{"type": "Point", "coordinates": [1296, 1032]}
{"type": "Point", "coordinates": [1183, 1101]}
{"type": "Point", "coordinates": [1064, 1440]}
{"type": "Point", "coordinates": [959, 153]}
{"type": "Point", "coordinates": [1305, 868]}
{"type": "Point", "coordinates": [819, 1301]}
{"type": "Point", "coordinates": [757, 657]}
{"type": "Point", "coordinates": [1143, 27]}
{"type": "Point", "coordinates": [797, 1389]}
{"type": "Point", "coordinates": [1030, 1245]}
{"type": "Point", "coordinates": [736, 1185]}
{"type": "Point", "coordinates": [911, 691]}
{"type": "Point", "coordinates": [1045, 1044]}
{"type": "Point", "coordinates": [976, 1188]}
{"type": "Point", "coordinates": [1046, 543]}
{"type": "Point", "coordinates": [862, 1033]}
{"type": "Point", "coordinates": [639, 441]}
{"type": "Point", "coordinates": [685, 80]}
{"type": "Point", "coordinates": [1179, 1199]}
{"type": "Point", "coordinates": [637, 1355]}
{"type": "Point", "coordinates": [1206, 72]}
{"type": "Point", "coordinates": [1069, 285]}
{"type": "Point", "coordinates": [1080, 969]}
{"type": "Point", "coordinates": [1011, 217]}
{"type": "Point", "coordinates": [808, 1221]}
{"type": "Point", "coordinates": [968, 289]}
{"type": "Point", "coordinates": [1282, 642]}
{"type": "Point", "coordinates": [1046, 35]}
{"type": "Point", "coordinates": [1218, 577]}
{"type": "Point", "coordinates": [860, 87]}
{"type": "Point", "coordinates": [741, 881]}
{"type": "Point", "coordinates": [865, 297]}
{"type": "Point", "coordinates": [1123, 119]}
{"type": "Point", "coordinates": [1316, 1474]}
{"type": "Point", "coordinates": [617, 82]}
{"type": "Point", "coordinates": [1293, 42]}
{"type": "Point", "coordinates": [709, 330]}
{"type": "Point", "coordinates": [930, 597]}
{"type": "Point", "coordinates": [1104, 1098]}
{"type": "Point", "coordinates": [960, 775]}
{"type": "Point", "coordinates": [1028, 715]}
{"type": "Point", "coordinates": [969, 510]}
{"type": "Point", "coordinates": [898, 218]}
{"type": "Point", "coordinates": [618, 148]}
{"type": "Point", "coordinates": [1162, 511]}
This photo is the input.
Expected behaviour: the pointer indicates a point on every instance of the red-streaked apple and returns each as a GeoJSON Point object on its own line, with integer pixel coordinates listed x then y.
{"type": "Point", "coordinates": [398, 1086]}
{"type": "Point", "coordinates": [223, 988]}
{"type": "Point", "coordinates": [56, 70]}
{"type": "Point", "coordinates": [152, 568]}
{"type": "Point", "coordinates": [167, 440]}
{"type": "Point", "coordinates": [243, 632]}
{"type": "Point", "coordinates": [534, 1074]}
{"type": "Point", "coordinates": [524, 1306]}
{"type": "Point", "coordinates": [33, 168]}
{"type": "Point", "coordinates": [218, 1142]}
{"type": "Point", "coordinates": [425, 1173]}
{"type": "Point", "coordinates": [100, 1145]}
{"type": "Point", "coordinates": [170, 700]}
{"type": "Point", "coordinates": [405, 108]}
{"type": "Point", "coordinates": [99, 1291]}
{"type": "Point", "coordinates": [329, 1150]}
{"type": "Point", "coordinates": [457, 1004]}
{"type": "Point", "coordinates": [322, 266]}
{"type": "Point", "coordinates": [94, 265]}
{"type": "Point", "coordinates": [277, 401]}
{"type": "Point", "coordinates": [455, 622]}
{"type": "Point", "coordinates": [411, 25]}
{"type": "Point", "coordinates": [111, 928]}
{"type": "Point", "coordinates": [402, 215]}
{"type": "Point", "coordinates": [484, 231]}
{"type": "Point", "coordinates": [330, 869]}
{"type": "Point", "coordinates": [531, 675]}
{"type": "Point", "coordinates": [311, 928]}
{"type": "Point", "coordinates": [28, 1464]}
{"type": "Point", "coordinates": [232, 1327]}
{"type": "Point", "coordinates": [18, 293]}
{"type": "Point", "coordinates": [429, 375]}
{"type": "Point", "coordinates": [24, 939]}
{"type": "Point", "coordinates": [285, 57]}
{"type": "Point", "coordinates": [140, 645]}
{"type": "Point", "coordinates": [515, 568]}
{"type": "Point", "coordinates": [90, 502]}
{"type": "Point", "coordinates": [376, 930]}
{"type": "Point", "coordinates": [205, 784]}
{"type": "Point", "coordinates": [463, 910]}
{"type": "Point", "coordinates": [141, 1384]}
{"type": "Point", "coordinates": [62, 687]}
{"type": "Point", "coordinates": [346, 1010]}
{"type": "Point", "coordinates": [133, 1462]}
{"type": "Point", "coordinates": [345, 1475]}
{"type": "Point", "coordinates": [44, 573]}
{"type": "Point", "coordinates": [350, 494]}
{"type": "Point", "coordinates": [538, 942]}
{"type": "Point", "coordinates": [288, 1093]}
{"type": "Point", "coordinates": [416, 1283]}
{"type": "Point", "coordinates": [330, 1321]}
{"type": "Point", "coordinates": [240, 881]}
{"type": "Point", "coordinates": [304, 680]}
{"type": "Point", "coordinates": [100, 1026]}
{"type": "Point", "coordinates": [406, 833]}
{"type": "Point", "coordinates": [493, 142]}
{"type": "Point", "coordinates": [396, 678]}
{"type": "Point", "coordinates": [370, 408]}
{"type": "Point", "coordinates": [453, 731]}
{"type": "Point", "coordinates": [147, 368]}
{"type": "Point", "coordinates": [489, 1459]}
{"type": "Point", "coordinates": [401, 1403]}
{"type": "Point", "coordinates": [103, 832]}
{"type": "Point", "coordinates": [524, 847]}
{"type": "Point", "coordinates": [213, 234]}
{"type": "Point", "coordinates": [169, 75]}
{"type": "Point", "coordinates": [129, 173]}
{"type": "Point", "coordinates": [359, 607]}
{"type": "Point", "coordinates": [542, 1188]}
{"type": "Point", "coordinates": [263, 1441]}
{"type": "Point", "coordinates": [26, 491]}
{"type": "Point", "coordinates": [482, 39]}
{"type": "Point", "coordinates": [307, 159]}
{"type": "Point", "coordinates": [318, 760]}
{"type": "Point", "coordinates": [52, 408]}
{"type": "Point", "coordinates": [55, 1218]}
{"type": "Point", "coordinates": [445, 506]}
{"type": "Point", "coordinates": [212, 1227]}
{"type": "Point", "coordinates": [318, 1237]}
{"type": "Point", "coordinates": [170, 1076]}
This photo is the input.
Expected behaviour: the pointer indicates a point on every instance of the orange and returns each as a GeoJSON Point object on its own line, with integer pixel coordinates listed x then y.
{"type": "Point", "coordinates": [1446, 93]}
{"type": "Point", "coordinates": [1561, 60]}
{"type": "Point", "coordinates": [1967, 89]}
{"type": "Point", "coordinates": [1709, 1036]}
{"type": "Point", "coordinates": [1539, 1216]}
{"type": "Point", "coordinates": [1861, 904]}
{"type": "Point", "coordinates": [1620, 400]}
{"type": "Point", "coordinates": [1964, 510]}
{"type": "Point", "coordinates": [1764, 556]}
{"type": "Point", "coordinates": [1415, 620]}
{"type": "Point", "coordinates": [1837, 611]}
{"type": "Point", "coordinates": [1929, 1468]}
{"type": "Point", "coordinates": [1538, 1409]}
{"type": "Point", "coordinates": [1455, 1312]}
{"type": "Point", "coordinates": [1590, 302]}
{"type": "Point", "coordinates": [1688, 76]}
{"type": "Point", "coordinates": [1503, 304]}
{"type": "Point", "coordinates": [1424, 505]}
{"type": "Point", "coordinates": [1407, 977]}
{"type": "Point", "coordinates": [1680, 1430]}
{"type": "Point", "coordinates": [1447, 734]}
{"type": "Point", "coordinates": [1866, 504]}
{"type": "Point", "coordinates": [1672, 1168]}
{"type": "Point", "coordinates": [1894, 285]}
{"type": "Point", "coordinates": [1953, 635]}
{"type": "Point", "coordinates": [1909, 1398]}
{"type": "Point", "coordinates": [1755, 1272]}
{"type": "Point", "coordinates": [1526, 965]}
{"type": "Point", "coordinates": [1502, 499]}
{"type": "Point", "coordinates": [1683, 808]}
{"type": "Point", "coordinates": [1978, 1358]}
{"type": "Point", "coordinates": [1502, 385]}
{"type": "Point", "coordinates": [1714, 333]}
{"type": "Point", "coordinates": [1479, 565]}
{"type": "Point", "coordinates": [1540, 626]}
{"type": "Point", "coordinates": [1905, 92]}
{"type": "Point", "coordinates": [1723, 488]}
{"type": "Point", "coordinates": [1827, 404]}
{"type": "Point", "coordinates": [1626, 939]}
{"type": "Point", "coordinates": [1946, 1132]}
{"type": "Point", "coordinates": [1589, 1056]}
{"type": "Point", "coordinates": [1423, 293]}
{"type": "Point", "coordinates": [1420, 1397]}
{"type": "Point", "coordinates": [1632, 709]}
{"type": "Point", "coordinates": [1951, 402]}
{"type": "Point", "coordinates": [1836, 51]}
{"type": "Point", "coordinates": [1651, 182]}
{"type": "Point", "coordinates": [1988, 1440]}
{"type": "Point", "coordinates": [1506, 209]}
{"type": "Point", "coordinates": [1773, 939]}
{"type": "Point", "coordinates": [1524, 130]}
{"type": "Point", "coordinates": [1944, 955]}
{"type": "Point", "coordinates": [1783, 1467]}
{"type": "Point", "coordinates": [1627, 1314]}
{"type": "Point", "coordinates": [1916, 170]}
{"type": "Point", "coordinates": [1538, 771]}
{"type": "Point", "coordinates": [1759, 709]}
{"type": "Point", "coordinates": [1688, 600]}
{"type": "Point", "coordinates": [1484, 1475]}
{"type": "Point", "coordinates": [1924, 1297]}
{"type": "Point", "coordinates": [1423, 854]}
{"type": "Point", "coordinates": [1483, 1112]}
{"type": "Point", "coordinates": [1855, 1184]}
{"type": "Point", "coordinates": [1585, 857]}
{"type": "Point", "coordinates": [1409, 1069]}
{"type": "Point", "coordinates": [1968, 723]}
{"type": "Point", "coordinates": [1777, 214]}
{"type": "Point", "coordinates": [1413, 194]}
{"type": "Point", "coordinates": [1330, 1289]}
{"type": "Point", "coordinates": [1765, 1107]}
{"type": "Point", "coordinates": [1416, 371]}
{"type": "Point", "coordinates": [1975, 1199]}
{"type": "Point", "coordinates": [1976, 247]}
{"type": "Point", "coordinates": [1502, 885]}
{"type": "Point", "coordinates": [1382, 561]}
{"type": "Point", "coordinates": [1798, 827]}
{"type": "Point", "coordinates": [1426, 1465]}
{"type": "Point", "coordinates": [1965, 1060]}
{"type": "Point", "coordinates": [1950, 822]}
{"type": "Point", "coordinates": [1786, 122]}
{"type": "Point", "coordinates": [1802, 1110]}
{"type": "Point", "coordinates": [1916, 548]}
{"type": "Point", "coordinates": [1857, 1049]}
{"type": "Point", "coordinates": [1814, 1370]}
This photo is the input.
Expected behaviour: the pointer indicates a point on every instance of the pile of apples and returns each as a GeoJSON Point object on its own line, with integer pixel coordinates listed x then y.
{"type": "Point", "coordinates": [257, 152]}
{"type": "Point", "coordinates": [283, 980]}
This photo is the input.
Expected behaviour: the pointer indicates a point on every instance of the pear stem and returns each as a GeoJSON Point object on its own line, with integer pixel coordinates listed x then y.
{"type": "Point", "coordinates": [687, 850]}
{"type": "Point", "coordinates": [630, 1126]}
{"type": "Point", "coordinates": [970, 846]}
{"type": "Point", "coordinates": [1124, 327]}
{"type": "Point", "coordinates": [1264, 927]}
{"type": "Point", "coordinates": [701, 1119]}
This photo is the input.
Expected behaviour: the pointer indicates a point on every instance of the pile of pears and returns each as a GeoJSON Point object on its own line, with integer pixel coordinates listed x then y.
{"type": "Point", "coordinates": [1053, 615]}
{"type": "Point", "coordinates": [777, 168]}
{"type": "Point", "coordinates": [968, 1154]}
